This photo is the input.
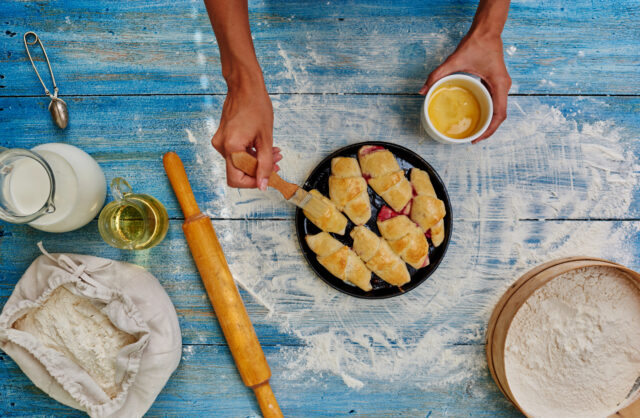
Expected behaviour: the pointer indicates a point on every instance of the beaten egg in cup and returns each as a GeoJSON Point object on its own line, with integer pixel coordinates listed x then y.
{"type": "Point", "coordinates": [457, 109]}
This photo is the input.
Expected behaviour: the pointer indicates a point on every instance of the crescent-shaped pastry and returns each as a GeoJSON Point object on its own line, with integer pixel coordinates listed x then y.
{"type": "Point", "coordinates": [379, 257]}
{"type": "Point", "coordinates": [404, 237]}
{"type": "Point", "coordinates": [384, 175]}
{"type": "Point", "coordinates": [348, 189]}
{"type": "Point", "coordinates": [437, 233]}
{"type": "Point", "coordinates": [340, 260]}
{"type": "Point", "coordinates": [421, 182]}
{"type": "Point", "coordinates": [426, 209]}
{"type": "Point", "coordinates": [330, 221]}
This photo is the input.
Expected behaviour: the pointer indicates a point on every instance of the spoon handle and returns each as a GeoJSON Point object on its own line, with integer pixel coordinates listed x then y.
{"type": "Point", "coordinates": [36, 39]}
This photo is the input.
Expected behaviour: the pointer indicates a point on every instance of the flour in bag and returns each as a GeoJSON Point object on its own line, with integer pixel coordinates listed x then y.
{"type": "Point", "coordinates": [76, 328]}
{"type": "Point", "coordinates": [573, 349]}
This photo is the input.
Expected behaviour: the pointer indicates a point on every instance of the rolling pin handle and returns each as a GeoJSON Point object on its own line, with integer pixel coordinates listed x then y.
{"type": "Point", "coordinates": [267, 401]}
{"type": "Point", "coordinates": [180, 183]}
{"type": "Point", "coordinates": [222, 290]}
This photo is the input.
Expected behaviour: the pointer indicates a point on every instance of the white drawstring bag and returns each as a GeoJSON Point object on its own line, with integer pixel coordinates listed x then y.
{"type": "Point", "coordinates": [97, 335]}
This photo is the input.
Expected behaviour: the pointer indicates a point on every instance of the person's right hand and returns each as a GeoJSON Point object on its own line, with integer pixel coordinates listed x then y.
{"type": "Point", "coordinates": [246, 124]}
{"type": "Point", "coordinates": [481, 56]}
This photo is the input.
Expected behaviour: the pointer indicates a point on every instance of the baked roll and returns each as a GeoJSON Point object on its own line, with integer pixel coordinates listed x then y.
{"type": "Point", "coordinates": [348, 189]}
{"type": "Point", "coordinates": [421, 182]}
{"type": "Point", "coordinates": [340, 260]}
{"type": "Point", "coordinates": [330, 221]}
{"type": "Point", "coordinates": [379, 257]}
{"type": "Point", "coordinates": [426, 209]}
{"type": "Point", "coordinates": [437, 233]}
{"type": "Point", "coordinates": [404, 237]}
{"type": "Point", "coordinates": [384, 175]}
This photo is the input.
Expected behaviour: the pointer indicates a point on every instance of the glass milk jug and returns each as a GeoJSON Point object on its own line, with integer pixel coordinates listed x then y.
{"type": "Point", "coordinates": [53, 187]}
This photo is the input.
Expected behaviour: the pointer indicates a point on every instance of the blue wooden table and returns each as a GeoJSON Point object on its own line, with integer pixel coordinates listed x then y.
{"type": "Point", "coordinates": [142, 78]}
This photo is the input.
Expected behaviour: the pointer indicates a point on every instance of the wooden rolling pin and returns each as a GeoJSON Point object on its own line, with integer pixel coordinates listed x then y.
{"type": "Point", "coordinates": [222, 290]}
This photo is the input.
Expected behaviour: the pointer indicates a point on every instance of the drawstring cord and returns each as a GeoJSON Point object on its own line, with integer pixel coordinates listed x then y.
{"type": "Point", "coordinates": [70, 266]}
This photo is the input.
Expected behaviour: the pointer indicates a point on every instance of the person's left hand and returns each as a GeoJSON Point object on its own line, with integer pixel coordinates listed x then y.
{"type": "Point", "coordinates": [481, 56]}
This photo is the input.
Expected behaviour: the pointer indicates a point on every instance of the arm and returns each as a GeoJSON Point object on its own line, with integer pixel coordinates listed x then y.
{"type": "Point", "coordinates": [246, 123]}
{"type": "Point", "coordinates": [480, 53]}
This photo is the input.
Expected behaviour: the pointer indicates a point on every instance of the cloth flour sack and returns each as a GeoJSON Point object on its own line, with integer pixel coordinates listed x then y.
{"type": "Point", "coordinates": [97, 335]}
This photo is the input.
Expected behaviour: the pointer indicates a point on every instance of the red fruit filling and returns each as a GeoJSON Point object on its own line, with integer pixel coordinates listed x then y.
{"type": "Point", "coordinates": [426, 262]}
{"type": "Point", "coordinates": [428, 234]}
{"type": "Point", "coordinates": [367, 177]}
{"type": "Point", "coordinates": [368, 149]}
{"type": "Point", "coordinates": [387, 213]}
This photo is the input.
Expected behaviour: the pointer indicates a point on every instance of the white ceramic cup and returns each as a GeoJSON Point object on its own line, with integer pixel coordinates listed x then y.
{"type": "Point", "coordinates": [475, 86]}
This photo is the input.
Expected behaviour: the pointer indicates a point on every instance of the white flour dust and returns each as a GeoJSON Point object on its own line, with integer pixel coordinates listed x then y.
{"type": "Point", "coordinates": [540, 165]}
{"type": "Point", "coordinates": [573, 349]}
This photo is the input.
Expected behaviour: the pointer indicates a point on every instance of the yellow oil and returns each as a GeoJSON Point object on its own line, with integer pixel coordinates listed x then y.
{"type": "Point", "coordinates": [136, 222]}
{"type": "Point", "coordinates": [454, 111]}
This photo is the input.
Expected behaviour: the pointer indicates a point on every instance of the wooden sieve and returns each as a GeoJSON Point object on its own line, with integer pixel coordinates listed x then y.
{"type": "Point", "coordinates": [517, 295]}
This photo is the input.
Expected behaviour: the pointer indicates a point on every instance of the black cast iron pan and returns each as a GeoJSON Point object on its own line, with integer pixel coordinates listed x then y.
{"type": "Point", "coordinates": [319, 179]}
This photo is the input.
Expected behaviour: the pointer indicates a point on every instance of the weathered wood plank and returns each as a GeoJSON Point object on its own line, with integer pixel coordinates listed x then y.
{"type": "Point", "coordinates": [369, 46]}
{"type": "Point", "coordinates": [170, 262]}
{"type": "Point", "coordinates": [454, 305]}
{"type": "Point", "coordinates": [554, 158]}
{"type": "Point", "coordinates": [207, 383]}
{"type": "Point", "coordinates": [563, 157]}
{"type": "Point", "coordinates": [283, 291]}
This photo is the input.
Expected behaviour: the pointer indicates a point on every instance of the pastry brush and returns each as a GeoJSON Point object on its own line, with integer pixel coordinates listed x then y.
{"type": "Point", "coordinates": [313, 205]}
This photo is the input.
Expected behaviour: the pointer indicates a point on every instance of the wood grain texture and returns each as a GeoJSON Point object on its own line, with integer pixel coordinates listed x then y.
{"type": "Point", "coordinates": [206, 383]}
{"type": "Point", "coordinates": [282, 260]}
{"type": "Point", "coordinates": [561, 173]}
{"type": "Point", "coordinates": [370, 46]}
{"type": "Point", "coordinates": [222, 290]}
{"type": "Point", "coordinates": [206, 379]}
{"type": "Point", "coordinates": [537, 151]}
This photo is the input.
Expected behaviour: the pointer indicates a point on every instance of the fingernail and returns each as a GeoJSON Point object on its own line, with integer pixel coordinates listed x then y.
{"type": "Point", "coordinates": [263, 184]}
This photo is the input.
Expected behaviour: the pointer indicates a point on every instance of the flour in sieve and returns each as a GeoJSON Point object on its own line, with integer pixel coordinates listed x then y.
{"type": "Point", "coordinates": [573, 349]}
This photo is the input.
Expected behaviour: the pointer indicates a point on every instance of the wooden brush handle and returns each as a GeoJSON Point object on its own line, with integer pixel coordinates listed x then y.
{"type": "Point", "coordinates": [248, 164]}
{"type": "Point", "coordinates": [222, 291]}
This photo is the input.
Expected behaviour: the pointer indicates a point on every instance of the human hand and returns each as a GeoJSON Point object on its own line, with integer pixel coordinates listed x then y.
{"type": "Point", "coordinates": [481, 56]}
{"type": "Point", "coordinates": [246, 124]}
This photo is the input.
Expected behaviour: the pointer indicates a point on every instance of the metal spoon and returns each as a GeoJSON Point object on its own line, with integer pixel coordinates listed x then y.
{"type": "Point", "coordinates": [57, 107]}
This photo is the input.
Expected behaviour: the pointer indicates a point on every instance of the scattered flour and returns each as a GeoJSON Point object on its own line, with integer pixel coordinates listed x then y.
{"type": "Point", "coordinates": [497, 188]}
{"type": "Point", "coordinates": [190, 137]}
{"type": "Point", "coordinates": [573, 349]}
{"type": "Point", "coordinates": [539, 165]}
{"type": "Point", "coordinates": [290, 70]}
{"type": "Point", "coordinates": [187, 352]}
